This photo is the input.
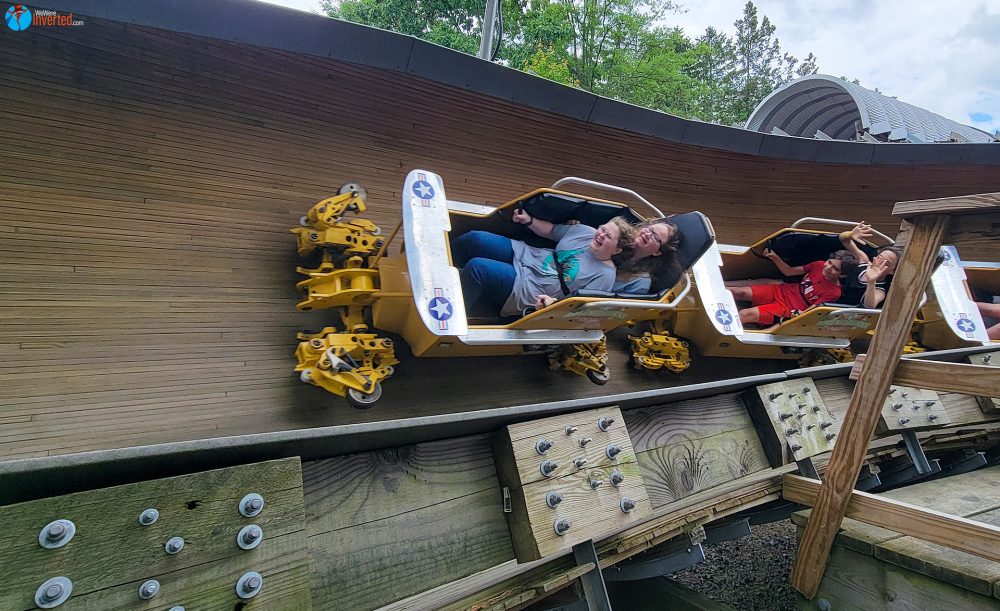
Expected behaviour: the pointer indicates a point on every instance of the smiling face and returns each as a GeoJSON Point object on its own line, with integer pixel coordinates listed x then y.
{"type": "Point", "coordinates": [605, 242]}
{"type": "Point", "coordinates": [832, 269]}
{"type": "Point", "coordinates": [649, 240]}
{"type": "Point", "coordinates": [889, 258]}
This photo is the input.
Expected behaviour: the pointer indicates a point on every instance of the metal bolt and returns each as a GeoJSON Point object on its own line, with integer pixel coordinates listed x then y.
{"type": "Point", "coordinates": [627, 505]}
{"type": "Point", "coordinates": [596, 483]}
{"type": "Point", "coordinates": [815, 409]}
{"type": "Point", "coordinates": [801, 406]}
{"type": "Point", "coordinates": [892, 391]}
{"type": "Point", "coordinates": [932, 417]}
{"type": "Point", "coordinates": [251, 505]}
{"type": "Point", "coordinates": [543, 445]}
{"type": "Point", "coordinates": [570, 430]}
{"type": "Point", "coordinates": [149, 516]}
{"type": "Point", "coordinates": [174, 545]}
{"type": "Point", "coordinates": [929, 403]}
{"type": "Point", "coordinates": [784, 416]}
{"type": "Point", "coordinates": [774, 395]}
{"type": "Point", "coordinates": [795, 447]}
{"type": "Point", "coordinates": [561, 526]}
{"type": "Point", "coordinates": [177, 608]}
{"type": "Point", "coordinates": [579, 462]}
{"type": "Point", "coordinates": [987, 359]}
{"type": "Point", "coordinates": [806, 390]}
{"type": "Point", "coordinates": [249, 584]}
{"type": "Point", "coordinates": [53, 592]}
{"type": "Point", "coordinates": [249, 536]}
{"type": "Point", "coordinates": [823, 604]}
{"type": "Point", "coordinates": [553, 498]}
{"type": "Point", "coordinates": [617, 477]}
{"type": "Point", "coordinates": [904, 420]}
{"type": "Point", "coordinates": [548, 468]}
{"type": "Point", "coordinates": [585, 441]}
{"type": "Point", "coordinates": [810, 426]}
{"type": "Point", "coordinates": [613, 451]}
{"type": "Point", "coordinates": [792, 431]}
{"type": "Point", "coordinates": [897, 406]}
{"type": "Point", "coordinates": [605, 423]}
{"type": "Point", "coordinates": [149, 589]}
{"type": "Point", "coordinates": [905, 395]}
{"type": "Point", "coordinates": [800, 416]}
{"type": "Point", "coordinates": [830, 436]}
{"type": "Point", "coordinates": [825, 425]}
{"type": "Point", "coordinates": [56, 534]}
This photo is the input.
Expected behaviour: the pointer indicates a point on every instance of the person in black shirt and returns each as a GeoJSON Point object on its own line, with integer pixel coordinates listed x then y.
{"type": "Point", "coordinates": [869, 286]}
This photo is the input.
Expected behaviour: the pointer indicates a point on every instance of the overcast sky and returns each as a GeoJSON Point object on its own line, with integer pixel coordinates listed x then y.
{"type": "Point", "coordinates": [941, 56]}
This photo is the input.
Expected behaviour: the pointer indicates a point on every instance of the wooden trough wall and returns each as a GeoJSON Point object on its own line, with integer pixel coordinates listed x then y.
{"type": "Point", "coordinates": [148, 178]}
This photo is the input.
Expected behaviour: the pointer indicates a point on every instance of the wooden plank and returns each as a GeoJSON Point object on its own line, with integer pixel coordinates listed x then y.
{"type": "Point", "coordinates": [913, 273]}
{"type": "Point", "coordinates": [982, 540]}
{"type": "Point", "coordinates": [579, 444]}
{"type": "Point", "coordinates": [946, 377]}
{"type": "Point", "coordinates": [388, 524]}
{"type": "Point", "coordinates": [112, 553]}
{"type": "Point", "coordinates": [989, 404]}
{"type": "Point", "coordinates": [792, 420]}
{"type": "Point", "coordinates": [966, 204]}
{"type": "Point", "coordinates": [856, 582]}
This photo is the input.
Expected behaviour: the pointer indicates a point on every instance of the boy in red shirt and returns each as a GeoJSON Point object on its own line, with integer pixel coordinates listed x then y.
{"type": "Point", "coordinates": [773, 300]}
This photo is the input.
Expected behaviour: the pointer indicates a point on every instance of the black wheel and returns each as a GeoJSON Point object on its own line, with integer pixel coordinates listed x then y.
{"type": "Point", "coordinates": [362, 400]}
{"type": "Point", "coordinates": [353, 187]}
{"type": "Point", "coordinates": [598, 377]}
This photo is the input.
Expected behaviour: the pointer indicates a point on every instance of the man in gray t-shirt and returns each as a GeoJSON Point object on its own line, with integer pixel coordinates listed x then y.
{"type": "Point", "coordinates": [537, 273]}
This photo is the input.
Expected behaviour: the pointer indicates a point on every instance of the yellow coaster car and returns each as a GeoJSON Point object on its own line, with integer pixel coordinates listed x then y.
{"type": "Point", "coordinates": [417, 295]}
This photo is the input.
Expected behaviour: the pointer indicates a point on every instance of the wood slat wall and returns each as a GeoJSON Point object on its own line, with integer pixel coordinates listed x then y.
{"type": "Point", "coordinates": [147, 181]}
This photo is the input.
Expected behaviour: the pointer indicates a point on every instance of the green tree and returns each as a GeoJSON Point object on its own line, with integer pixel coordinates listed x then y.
{"type": "Point", "coordinates": [452, 23]}
{"type": "Point", "coordinates": [712, 71]}
{"type": "Point", "coordinates": [761, 66]}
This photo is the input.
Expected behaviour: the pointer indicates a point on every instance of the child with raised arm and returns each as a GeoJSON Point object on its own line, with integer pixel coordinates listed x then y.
{"type": "Point", "coordinates": [820, 283]}
{"type": "Point", "coordinates": [870, 284]}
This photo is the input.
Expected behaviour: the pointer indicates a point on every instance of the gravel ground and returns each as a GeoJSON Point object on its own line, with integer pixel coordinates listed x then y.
{"type": "Point", "coordinates": [751, 573]}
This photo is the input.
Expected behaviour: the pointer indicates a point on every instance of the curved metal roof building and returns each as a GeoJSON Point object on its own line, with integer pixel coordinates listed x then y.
{"type": "Point", "coordinates": [828, 107]}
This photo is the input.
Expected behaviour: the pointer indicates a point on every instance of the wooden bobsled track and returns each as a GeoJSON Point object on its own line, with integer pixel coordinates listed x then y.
{"type": "Point", "coordinates": [152, 161]}
{"type": "Point", "coordinates": [148, 179]}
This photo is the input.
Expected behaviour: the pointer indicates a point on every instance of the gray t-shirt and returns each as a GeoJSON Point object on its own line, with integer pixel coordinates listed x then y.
{"type": "Point", "coordinates": [634, 283]}
{"type": "Point", "coordinates": [536, 268]}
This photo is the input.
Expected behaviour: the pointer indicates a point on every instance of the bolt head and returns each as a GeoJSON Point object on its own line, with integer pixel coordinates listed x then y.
{"type": "Point", "coordinates": [55, 532]}
{"type": "Point", "coordinates": [255, 504]}
{"type": "Point", "coordinates": [52, 592]}
{"type": "Point", "coordinates": [252, 584]}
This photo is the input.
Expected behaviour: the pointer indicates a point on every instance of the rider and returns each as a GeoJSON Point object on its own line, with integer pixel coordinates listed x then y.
{"type": "Point", "coordinates": [509, 272]}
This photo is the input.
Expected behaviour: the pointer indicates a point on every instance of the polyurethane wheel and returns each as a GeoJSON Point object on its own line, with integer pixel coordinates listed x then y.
{"type": "Point", "coordinates": [598, 377]}
{"type": "Point", "coordinates": [362, 400]}
{"type": "Point", "coordinates": [353, 187]}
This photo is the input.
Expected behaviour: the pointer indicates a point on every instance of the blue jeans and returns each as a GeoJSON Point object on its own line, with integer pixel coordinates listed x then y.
{"type": "Point", "coordinates": [487, 266]}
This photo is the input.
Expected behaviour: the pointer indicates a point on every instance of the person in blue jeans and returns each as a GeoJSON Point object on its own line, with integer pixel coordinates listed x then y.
{"type": "Point", "coordinates": [499, 270]}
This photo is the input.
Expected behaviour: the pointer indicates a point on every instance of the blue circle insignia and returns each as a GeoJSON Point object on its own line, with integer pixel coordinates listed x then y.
{"type": "Point", "coordinates": [423, 189]}
{"type": "Point", "coordinates": [440, 308]}
{"type": "Point", "coordinates": [965, 325]}
{"type": "Point", "coordinates": [18, 17]}
{"type": "Point", "coordinates": [723, 316]}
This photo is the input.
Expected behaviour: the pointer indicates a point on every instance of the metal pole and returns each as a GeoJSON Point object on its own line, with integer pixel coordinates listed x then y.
{"type": "Point", "coordinates": [489, 20]}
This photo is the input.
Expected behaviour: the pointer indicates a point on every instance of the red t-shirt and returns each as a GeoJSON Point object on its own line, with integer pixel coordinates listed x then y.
{"type": "Point", "coordinates": [812, 289]}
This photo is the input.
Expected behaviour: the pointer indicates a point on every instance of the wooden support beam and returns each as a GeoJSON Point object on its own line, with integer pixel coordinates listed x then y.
{"type": "Point", "coordinates": [924, 237]}
{"type": "Point", "coordinates": [977, 380]}
{"type": "Point", "coordinates": [965, 204]}
{"type": "Point", "coordinates": [956, 532]}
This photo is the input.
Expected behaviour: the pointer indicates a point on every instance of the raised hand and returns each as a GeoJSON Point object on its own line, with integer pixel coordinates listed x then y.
{"type": "Point", "coordinates": [861, 232]}
{"type": "Point", "coordinates": [876, 271]}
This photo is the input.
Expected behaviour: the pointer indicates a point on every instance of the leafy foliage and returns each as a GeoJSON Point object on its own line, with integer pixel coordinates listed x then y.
{"type": "Point", "coordinates": [616, 48]}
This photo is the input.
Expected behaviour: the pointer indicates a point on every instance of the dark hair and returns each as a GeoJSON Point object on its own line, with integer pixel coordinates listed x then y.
{"type": "Point", "coordinates": [660, 269]}
{"type": "Point", "coordinates": [848, 262]}
{"type": "Point", "coordinates": [896, 250]}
